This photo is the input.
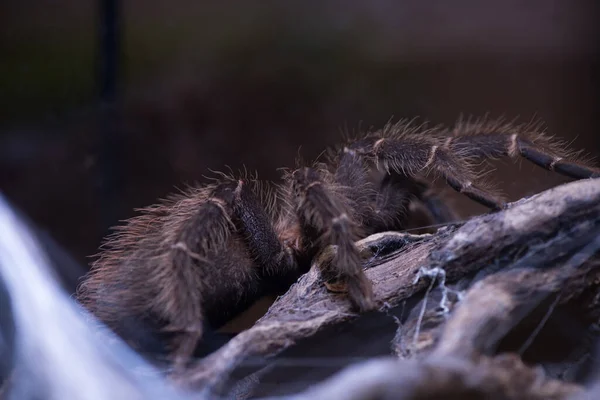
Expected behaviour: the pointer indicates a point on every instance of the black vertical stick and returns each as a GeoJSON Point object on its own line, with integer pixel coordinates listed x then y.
{"type": "Point", "coordinates": [109, 49]}
{"type": "Point", "coordinates": [109, 160]}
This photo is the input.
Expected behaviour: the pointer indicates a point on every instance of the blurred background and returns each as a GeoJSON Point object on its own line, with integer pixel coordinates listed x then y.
{"type": "Point", "coordinates": [107, 105]}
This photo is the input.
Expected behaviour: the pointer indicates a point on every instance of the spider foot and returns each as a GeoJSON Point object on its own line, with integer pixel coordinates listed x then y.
{"type": "Point", "coordinates": [360, 292]}
{"type": "Point", "coordinates": [358, 289]}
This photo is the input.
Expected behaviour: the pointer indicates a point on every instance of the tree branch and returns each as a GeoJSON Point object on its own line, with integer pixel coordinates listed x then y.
{"type": "Point", "coordinates": [439, 378]}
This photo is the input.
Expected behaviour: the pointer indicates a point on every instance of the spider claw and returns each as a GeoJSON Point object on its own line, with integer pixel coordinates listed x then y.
{"type": "Point", "coordinates": [360, 292]}
{"type": "Point", "coordinates": [336, 287]}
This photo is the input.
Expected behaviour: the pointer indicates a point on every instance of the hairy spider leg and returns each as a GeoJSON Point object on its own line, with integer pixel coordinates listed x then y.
{"type": "Point", "coordinates": [499, 140]}
{"type": "Point", "coordinates": [413, 155]}
{"type": "Point", "coordinates": [387, 207]}
{"type": "Point", "coordinates": [203, 234]}
{"type": "Point", "coordinates": [326, 218]}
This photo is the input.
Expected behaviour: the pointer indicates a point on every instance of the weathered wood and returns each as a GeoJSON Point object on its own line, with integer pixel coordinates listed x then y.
{"type": "Point", "coordinates": [440, 378]}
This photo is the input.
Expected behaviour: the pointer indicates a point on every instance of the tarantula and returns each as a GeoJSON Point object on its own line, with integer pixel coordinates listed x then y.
{"type": "Point", "coordinates": [197, 259]}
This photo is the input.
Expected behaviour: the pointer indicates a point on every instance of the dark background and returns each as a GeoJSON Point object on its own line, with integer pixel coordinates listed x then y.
{"type": "Point", "coordinates": [201, 85]}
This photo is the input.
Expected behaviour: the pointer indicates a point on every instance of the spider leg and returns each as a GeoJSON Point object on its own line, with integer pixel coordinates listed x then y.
{"type": "Point", "coordinates": [392, 202]}
{"type": "Point", "coordinates": [179, 298]}
{"type": "Point", "coordinates": [326, 218]}
{"type": "Point", "coordinates": [231, 207]}
{"type": "Point", "coordinates": [256, 228]}
{"type": "Point", "coordinates": [275, 261]}
{"type": "Point", "coordinates": [387, 208]}
{"type": "Point", "coordinates": [351, 173]}
{"type": "Point", "coordinates": [414, 155]}
{"type": "Point", "coordinates": [493, 139]}
{"type": "Point", "coordinates": [379, 209]}
{"type": "Point", "coordinates": [382, 208]}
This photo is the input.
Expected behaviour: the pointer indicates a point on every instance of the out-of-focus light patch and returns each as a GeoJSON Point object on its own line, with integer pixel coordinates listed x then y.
{"type": "Point", "coordinates": [56, 353]}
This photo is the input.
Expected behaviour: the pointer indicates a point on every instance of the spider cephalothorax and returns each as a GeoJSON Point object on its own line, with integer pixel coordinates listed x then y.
{"type": "Point", "coordinates": [199, 258]}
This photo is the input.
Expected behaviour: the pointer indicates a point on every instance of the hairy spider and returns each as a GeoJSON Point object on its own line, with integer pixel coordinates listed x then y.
{"type": "Point", "coordinates": [197, 259]}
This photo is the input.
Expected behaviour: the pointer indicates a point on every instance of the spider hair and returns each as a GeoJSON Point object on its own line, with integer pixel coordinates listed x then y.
{"type": "Point", "coordinates": [196, 259]}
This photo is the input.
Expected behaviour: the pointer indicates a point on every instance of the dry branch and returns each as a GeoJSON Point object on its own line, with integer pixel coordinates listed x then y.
{"type": "Point", "coordinates": [511, 260]}
{"type": "Point", "coordinates": [504, 377]}
{"type": "Point", "coordinates": [497, 303]}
